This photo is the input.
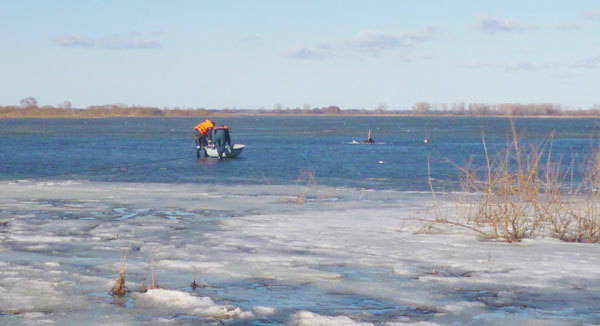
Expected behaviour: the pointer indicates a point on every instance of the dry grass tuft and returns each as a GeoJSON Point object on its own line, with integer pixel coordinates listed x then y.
{"type": "Point", "coordinates": [523, 191]}
{"type": "Point", "coordinates": [143, 288]}
{"type": "Point", "coordinates": [580, 221]}
{"type": "Point", "coordinates": [307, 178]}
{"type": "Point", "coordinates": [153, 283]}
{"type": "Point", "coordinates": [119, 288]}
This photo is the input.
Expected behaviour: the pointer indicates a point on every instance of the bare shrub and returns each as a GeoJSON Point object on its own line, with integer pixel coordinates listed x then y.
{"type": "Point", "coordinates": [310, 184]}
{"type": "Point", "coordinates": [119, 288]}
{"type": "Point", "coordinates": [582, 220]}
{"type": "Point", "coordinates": [523, 191]}
{"type": "Point", "coordinates": [509, 191]}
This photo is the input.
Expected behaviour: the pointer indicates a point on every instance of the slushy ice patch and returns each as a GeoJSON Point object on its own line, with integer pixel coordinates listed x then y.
{"type": "Point", "coordinates": [360, 259]}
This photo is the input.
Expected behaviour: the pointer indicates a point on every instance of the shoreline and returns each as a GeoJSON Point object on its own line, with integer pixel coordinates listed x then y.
{"type": "Point", "coordinates": [291, 115]}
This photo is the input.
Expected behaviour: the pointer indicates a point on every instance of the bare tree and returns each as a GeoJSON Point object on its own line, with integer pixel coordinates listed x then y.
{"type": "Point", "coordinates": [28, 102]}
{"type": "Point", "coordinates": [421, 107]}
{"type": "Point", "coordinates": [458, 108]}
{"type": "Point", "coordinates": [381, 107]}
{"type": "Point", "coordinates": [332, 109]}
{"type": "Point", "coordinates": [479, 108]}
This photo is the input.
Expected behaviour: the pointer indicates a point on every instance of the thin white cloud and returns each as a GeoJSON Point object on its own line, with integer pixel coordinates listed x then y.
{"type": "Point", "coordinates": [377, 40]}
{"type": "Point", "coordinates": [592, 15]}
{"type": "Point", "coordinates": [325, 45]}
{"type": "Point", "coordinates": [586, 63]}
{"type": "Point", "coordinates": [133, 41]}
{"type": "Point", "coordinates": [564, 76]}
{"type": "Point", "coordinates": [497, 25]}
{"type": "Point", "coordinates": [302, 53]}
{"type": "Point", "coordinates": [569, 27]}
{"type": "Point", "coordinates": [118, 43]}
{"type": "Point", "coordinates": [367, 39]}
{"type": "Point", "coordinates": [428, 33]}
{"type": "Point", "coordinates": [74, 41]}
{"type": "Point", "coordinates": [509, 67]}
{"type": "Point", "coordinates": [524, 66]}
{"type": "Point", "coordinates": [478, 65]}
{"type": "Point", "coordinates": [251, 38]}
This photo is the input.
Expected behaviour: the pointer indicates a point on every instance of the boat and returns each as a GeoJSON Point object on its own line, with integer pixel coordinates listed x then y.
{"type": "Point", "coordinates": [230, 152]}
{"type": "Point", "coordinates": [369, 140]}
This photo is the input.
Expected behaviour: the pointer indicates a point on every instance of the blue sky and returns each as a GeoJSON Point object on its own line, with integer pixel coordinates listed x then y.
{"type": "Point", "coordinates": [258, 54]}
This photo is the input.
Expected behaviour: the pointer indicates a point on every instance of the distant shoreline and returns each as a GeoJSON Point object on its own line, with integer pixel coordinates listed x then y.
{"type": "Point", "coordinates": [15, 112]}
{"type": "Point", "coordinates": [69, 116]}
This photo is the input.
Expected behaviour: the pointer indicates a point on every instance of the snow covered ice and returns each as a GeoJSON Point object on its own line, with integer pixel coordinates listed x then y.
{"type": "Point", "coordinates": [273, 255]}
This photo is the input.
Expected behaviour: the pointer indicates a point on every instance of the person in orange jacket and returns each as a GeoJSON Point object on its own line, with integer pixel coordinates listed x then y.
{"type": "Point", "coordinates": [203, 135]}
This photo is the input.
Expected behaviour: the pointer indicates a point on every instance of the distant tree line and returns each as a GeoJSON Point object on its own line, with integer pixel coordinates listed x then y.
{"type": "Point", "coordinates": [503, 109]}
{"type": "Point", "coordinates": [28, 108]}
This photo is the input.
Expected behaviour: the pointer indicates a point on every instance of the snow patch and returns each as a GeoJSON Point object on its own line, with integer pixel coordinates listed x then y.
{"type": "Point", "coordinates": [180, 302]}
{"type": "Point", "coordinates": [307, 318]}
{"type": "Point", "coordinates": [263, 311]}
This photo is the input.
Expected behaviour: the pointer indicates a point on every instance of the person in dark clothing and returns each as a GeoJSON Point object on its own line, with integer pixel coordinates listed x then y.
{"type": "Point", "coordinates": [221, 139]}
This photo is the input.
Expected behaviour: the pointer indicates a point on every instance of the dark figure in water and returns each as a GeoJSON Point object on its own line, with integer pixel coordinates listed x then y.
{"type": "Point", "coordinates": [221, 139]}
{"type": "Point", "coordinates": [369, 140]}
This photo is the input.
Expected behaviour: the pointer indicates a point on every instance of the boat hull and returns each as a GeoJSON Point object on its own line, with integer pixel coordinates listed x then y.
{"type": "Point", "coordinates": [233, 152]}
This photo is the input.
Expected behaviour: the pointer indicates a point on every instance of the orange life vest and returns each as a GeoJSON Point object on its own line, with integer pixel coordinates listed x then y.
{"type": "Point", "coordinates": [204, 126]}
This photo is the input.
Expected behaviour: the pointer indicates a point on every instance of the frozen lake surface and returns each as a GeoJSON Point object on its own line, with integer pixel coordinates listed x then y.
{"type": "Point", "coordinates": [273, 255]}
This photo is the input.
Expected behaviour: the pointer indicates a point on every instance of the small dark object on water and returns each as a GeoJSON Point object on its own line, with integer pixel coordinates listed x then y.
{"type": "Point", "coordinates": [369, 140]}
{"type": "Point", "coordinates": [196, 285]}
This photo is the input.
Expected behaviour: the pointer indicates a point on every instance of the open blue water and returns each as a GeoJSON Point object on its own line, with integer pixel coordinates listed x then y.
{"type": "Point", "coordinates": [279, 150]}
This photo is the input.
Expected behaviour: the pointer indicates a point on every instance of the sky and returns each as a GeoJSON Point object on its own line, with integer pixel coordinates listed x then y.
{"type": "Point", "coordinates": [268, 54]}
